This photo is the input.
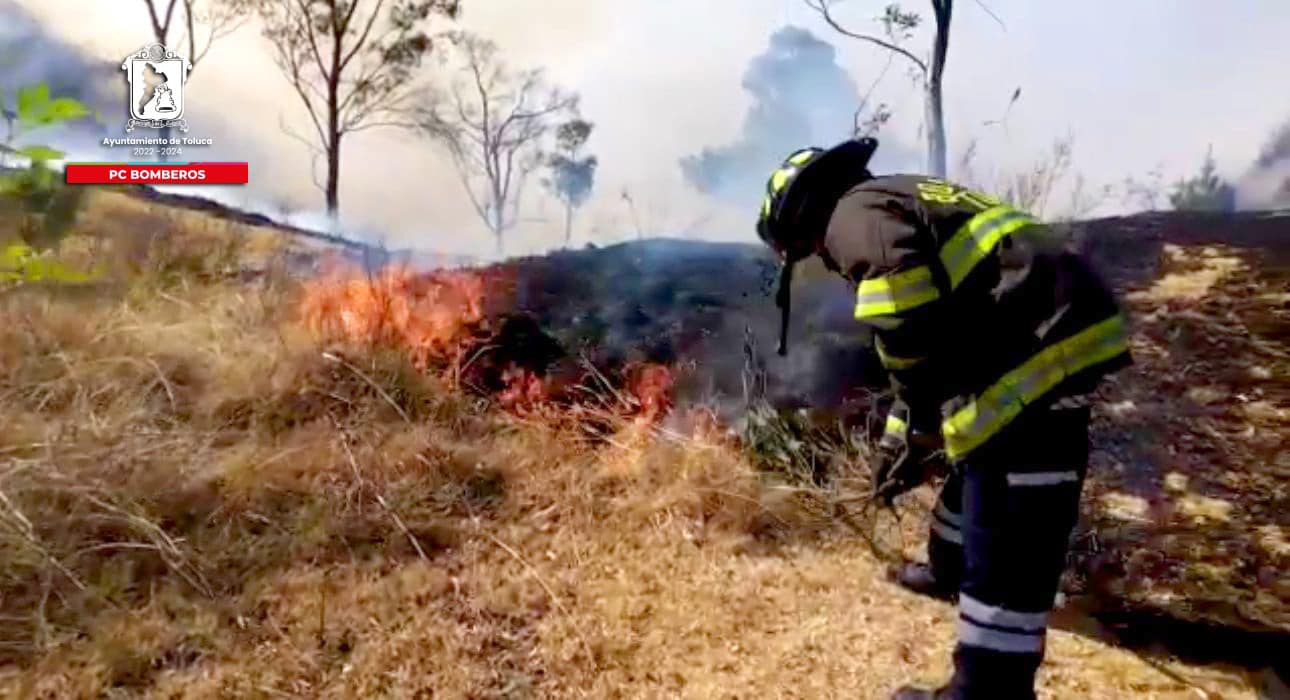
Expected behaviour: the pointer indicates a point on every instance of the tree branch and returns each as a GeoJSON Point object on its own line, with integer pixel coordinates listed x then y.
{"type": "Point", "coordinates": [990, 12]}
{"type": "Point", "coordinates": [343, 25]}
{"type": "Point", "coordinates": [364, 126]}
{"type": "Point", "coordinates": [305, 18]}
{"type": "Point", "coordinates": [822, 7]}
{"type": "Point", "coordinates": [192, 35]}
{"type": "Point", "coordinates": [362, 39]}
{"type": "Point", "coordinates": [480, 208]}
{"type": "Point", "coordinates": [314, 153]}
{"type": "Point", "coordinates": [492, 121]}
{"type": "Point", "coordinates": [298, 82]}
{"type": "Point", "coordinates": [160, 29]}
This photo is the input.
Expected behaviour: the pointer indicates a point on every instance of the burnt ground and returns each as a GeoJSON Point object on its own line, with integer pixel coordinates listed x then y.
{"type": "Point", "coordinates": [1188, 509]}
{"type": "Point", "coordinates": [1186, 532]}
{"type": "Point", "coordinates": [704, 307]}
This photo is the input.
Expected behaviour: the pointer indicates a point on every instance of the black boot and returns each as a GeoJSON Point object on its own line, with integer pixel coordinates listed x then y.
{"type": "Point", "coordinates": [920, 579]}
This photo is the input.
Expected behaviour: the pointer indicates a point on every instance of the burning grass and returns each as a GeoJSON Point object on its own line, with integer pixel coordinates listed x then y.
{"type": "Point", "coordinates": [429, 316]}
{"type": "Point", "coordinates": [199, 497]}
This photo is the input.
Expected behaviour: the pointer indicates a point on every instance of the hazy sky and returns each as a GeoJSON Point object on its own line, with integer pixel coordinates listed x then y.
{"type": "Point", "coordinates": [1140, 84]}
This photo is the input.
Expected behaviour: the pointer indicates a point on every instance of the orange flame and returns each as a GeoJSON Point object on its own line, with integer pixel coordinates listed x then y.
{"type": "Point", "coordinates": [524, 389]}
{"type": "Point", "coordinates": [430, 315]}
{"type": "Point", "coordinates": [651, 385]}
{"type": "Point", "coordinates": [435, 317]}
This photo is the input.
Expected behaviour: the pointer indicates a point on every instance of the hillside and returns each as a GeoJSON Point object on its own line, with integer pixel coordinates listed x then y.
{"type": "Point", "coordinates": [230, 467]}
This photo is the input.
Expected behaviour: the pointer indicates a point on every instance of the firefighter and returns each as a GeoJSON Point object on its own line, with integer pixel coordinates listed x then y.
{"type": "Point", "coordinates": [994, 334]}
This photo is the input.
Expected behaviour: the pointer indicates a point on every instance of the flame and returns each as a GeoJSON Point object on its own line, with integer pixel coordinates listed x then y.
{"type": "Point", "coordinates": [651, 385]}
{"type": "Point", "coordinates": [524, 389]}
{"type": "Point", "coordinates": [429, 315]}
{"type": "Point", "coordinates": [435, 317]}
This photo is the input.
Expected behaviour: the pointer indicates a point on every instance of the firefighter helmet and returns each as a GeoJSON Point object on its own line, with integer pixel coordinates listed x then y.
{"type": "Point", "coordinates": [800, 197]}
{"type": "Point", "coordinates": [801, 194]}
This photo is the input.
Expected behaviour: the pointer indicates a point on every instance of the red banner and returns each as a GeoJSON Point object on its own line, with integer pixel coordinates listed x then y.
{"type": "Point", "coordinates": [159, 174]}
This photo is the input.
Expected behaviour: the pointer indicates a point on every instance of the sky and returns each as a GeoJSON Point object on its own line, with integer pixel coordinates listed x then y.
{"type": "Point", "coordinates": [1139, 86]}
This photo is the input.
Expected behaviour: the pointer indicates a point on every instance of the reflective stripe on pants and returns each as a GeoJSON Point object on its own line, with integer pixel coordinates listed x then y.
{"type": "Point", "coordinates": [1020, 500]}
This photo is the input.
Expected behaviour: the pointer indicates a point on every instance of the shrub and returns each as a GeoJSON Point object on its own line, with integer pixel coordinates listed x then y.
{"type": "Point", "coordinates": [1204, 192]}
{"type": "Point", "coordinates": [45, 208]}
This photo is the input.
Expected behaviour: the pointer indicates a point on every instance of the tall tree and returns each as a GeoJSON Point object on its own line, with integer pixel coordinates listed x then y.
{"type": "Point", "coordinates": [494, 121]}
{"type": "Point", "coordinates": [201, 23]}
{"type": "Point", "coordinates": [572, 175]}
{"type": "Point", "coordinates": [899, 26]}
{"type": "Point", "coordinates": [351, 63]}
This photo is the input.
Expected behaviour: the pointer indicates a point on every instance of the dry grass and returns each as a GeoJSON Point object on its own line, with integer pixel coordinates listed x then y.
{"type": "Point", "coordinates": [198, 502]}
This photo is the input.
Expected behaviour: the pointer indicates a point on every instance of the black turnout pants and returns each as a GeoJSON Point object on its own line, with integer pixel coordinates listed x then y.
{"type": "Point", "coordinates": [1000, 532]}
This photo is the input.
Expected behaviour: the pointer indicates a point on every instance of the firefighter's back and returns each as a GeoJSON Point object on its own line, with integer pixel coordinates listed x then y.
{"type": "Point", "coordinates": [968, 292]}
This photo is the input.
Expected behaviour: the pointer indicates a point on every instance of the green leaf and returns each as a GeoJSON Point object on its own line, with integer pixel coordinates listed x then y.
{"type": "Point", "coordinates": [40, 154]}
{"type": "Point", "coordinates": [66, 108]}
{"type": "Point", "coordinates": [33, 101]}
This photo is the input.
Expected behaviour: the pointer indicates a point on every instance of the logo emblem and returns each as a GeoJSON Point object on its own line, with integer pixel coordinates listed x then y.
{"type": "Point", "coordinates": [156, 78]}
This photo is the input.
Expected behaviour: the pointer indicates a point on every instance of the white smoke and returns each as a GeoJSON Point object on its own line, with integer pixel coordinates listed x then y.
{"type": "Point", "coordinates": [801, 96]}
{"type": "Point", "coordinates": [1267, 184]}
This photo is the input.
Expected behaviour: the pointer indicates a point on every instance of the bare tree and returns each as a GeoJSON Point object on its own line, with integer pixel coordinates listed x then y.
{"type": "Point", "coordinates": [351, 63]}
{"type": "Point", "coordinates": [899, 26]}
{"type": "Point", "coordinates": [493, 120]}
{"type": "Point", "coordinates": [201, 22]}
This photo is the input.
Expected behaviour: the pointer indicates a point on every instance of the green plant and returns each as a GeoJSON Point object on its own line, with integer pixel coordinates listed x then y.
{"type": "Point", "coordinates": [796, 446]}
{"type": "Point", "coordinates": [45, 208]}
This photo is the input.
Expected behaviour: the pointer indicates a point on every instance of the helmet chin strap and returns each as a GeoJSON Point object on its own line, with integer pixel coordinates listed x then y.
{"type": "Point", "coordinates": [810, 214]}
{"type": "Point", "coordinates": [784, 300]}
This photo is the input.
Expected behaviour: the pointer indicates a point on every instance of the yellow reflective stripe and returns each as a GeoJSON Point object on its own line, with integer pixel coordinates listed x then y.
{"type": "Point", "coordinates": [1002, 402]}
{"type": "Point", "coordinates": [780, 178]}
{"type": "Point", "coordinates": [895, 293]}
{"type": "Point", "coordinates": [801, 157]}
{"type": "Point", "coordinates": [974, 241]}
{"type": "Point", "coordinates": [896, 426]}
{"type": "Point", "coordinates": [765, 207]}
{"type": "Point", "coordinates": [978, 237]}
{"type": "Point", "coordinates": [892, 361]}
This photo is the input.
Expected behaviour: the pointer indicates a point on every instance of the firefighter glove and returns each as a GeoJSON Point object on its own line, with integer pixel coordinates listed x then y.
{"type": "Point", "coordinates": [898, 466]}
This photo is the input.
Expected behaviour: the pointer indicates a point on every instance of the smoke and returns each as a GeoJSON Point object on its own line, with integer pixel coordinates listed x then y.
{"type": "Point", "coordinates": [1267, 184]}
{"type": "Point", "coordinates": [801, 97]}
{"type": "Point", "coordinates": [29, 55]}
